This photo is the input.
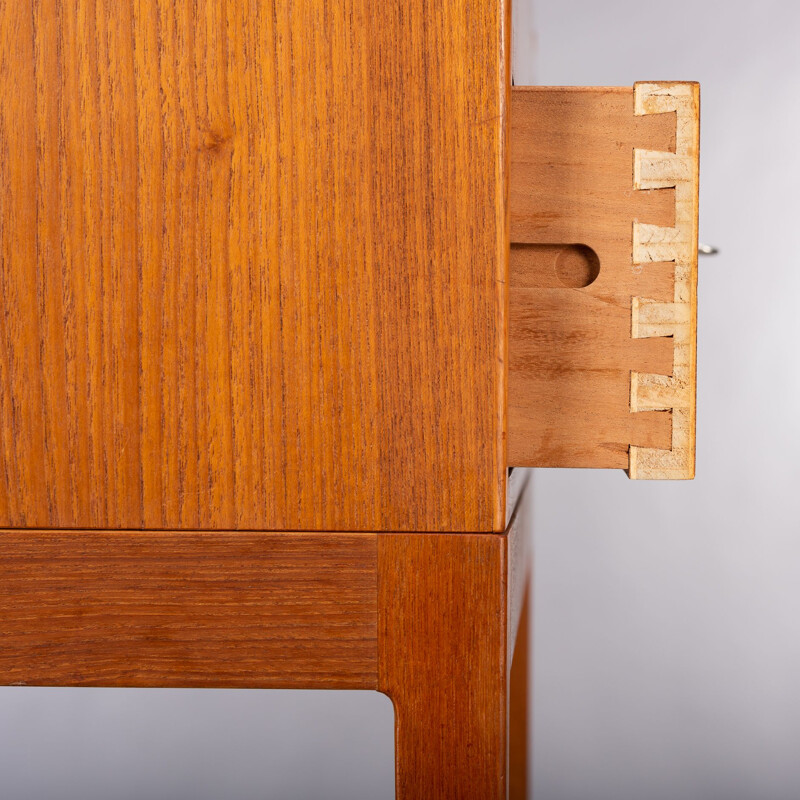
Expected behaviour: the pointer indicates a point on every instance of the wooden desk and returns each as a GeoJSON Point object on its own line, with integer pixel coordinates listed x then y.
{"type": "Point", "coordinates": [254, 359]}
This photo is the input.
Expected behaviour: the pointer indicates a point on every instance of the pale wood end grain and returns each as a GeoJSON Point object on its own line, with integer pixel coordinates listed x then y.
{"type": "Point", "coordinates": [675, 392]}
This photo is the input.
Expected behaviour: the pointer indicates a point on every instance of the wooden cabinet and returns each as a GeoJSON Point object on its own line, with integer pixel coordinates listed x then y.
{"type": "Point", "coordinates": [253, 262]}
{"type": "Point", "coordinates": [286, 289]}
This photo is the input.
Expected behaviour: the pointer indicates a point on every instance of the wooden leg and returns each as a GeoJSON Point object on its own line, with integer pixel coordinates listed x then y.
{"type": "Point", "coordinates": [442, 659]}
{"type": "Point", "coordinates": [519, 784]}
{"type": "Point", "coordinates": [449, 608]}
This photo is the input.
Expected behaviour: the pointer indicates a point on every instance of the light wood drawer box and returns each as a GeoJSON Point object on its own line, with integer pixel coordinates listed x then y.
{"type": "Point", "coordinates": [603, 277]}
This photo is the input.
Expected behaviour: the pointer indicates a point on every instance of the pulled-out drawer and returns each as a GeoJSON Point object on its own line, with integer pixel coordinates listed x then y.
{"type": "Point", "coordinates": [603, 277]}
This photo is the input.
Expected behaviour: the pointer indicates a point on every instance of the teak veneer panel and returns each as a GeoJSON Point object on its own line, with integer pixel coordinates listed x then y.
{"type": "Point", "coordinates": [573, 348]}
{"type": "Point", "coordinates": [222, 609]}
{"type": "Point", "coordinates": [252, 264]}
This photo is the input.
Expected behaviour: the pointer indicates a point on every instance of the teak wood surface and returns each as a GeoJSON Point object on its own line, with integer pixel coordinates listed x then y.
{"type": "Point", "coordinates": [154, 609]}
{"type": "Point", "coordinates": [253, 264]}
{"type": "Point", "coordinates": [577, 336]}
{"type": "Point", "coordinates": [449, 611]}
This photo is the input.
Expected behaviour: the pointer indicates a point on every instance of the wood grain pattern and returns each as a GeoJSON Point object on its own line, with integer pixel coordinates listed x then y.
{"type": "Point", "coordinates": [117, 608]}
{"type": "Point", "coordinates": [676, 318]}
{"type": "Point", "coordinates": [445, 638]}
{"type": "Point", "coordinates": [253, 264]}
{"type": "Point", "coordinates": [571, 352]}
{"type": "Point", "coordinates": [443, 662]}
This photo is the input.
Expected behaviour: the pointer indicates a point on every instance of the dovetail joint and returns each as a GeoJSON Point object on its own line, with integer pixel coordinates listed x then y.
{"type": "Point", "coordinates": [653, 243]}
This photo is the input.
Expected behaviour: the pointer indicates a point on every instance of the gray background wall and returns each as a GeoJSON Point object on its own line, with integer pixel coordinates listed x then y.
{"type": "Point", "coordinates": [667, 656]}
